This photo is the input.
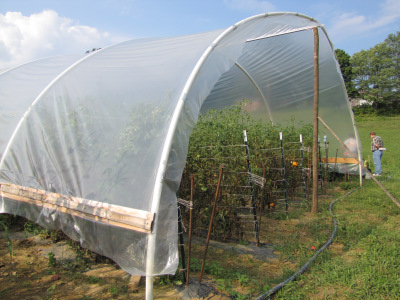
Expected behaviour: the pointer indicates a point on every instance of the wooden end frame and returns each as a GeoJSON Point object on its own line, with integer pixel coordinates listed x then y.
{"type": "Point", "coordinates": [340, 160]}
{"type": "Point", "coordinates": [115, 215]}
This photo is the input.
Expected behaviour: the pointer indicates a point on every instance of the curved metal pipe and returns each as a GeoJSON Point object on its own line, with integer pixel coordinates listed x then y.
{"type": "Point", "coordinates": [170, 135]}
{"type": "Point", "coordinates": [258, 89]}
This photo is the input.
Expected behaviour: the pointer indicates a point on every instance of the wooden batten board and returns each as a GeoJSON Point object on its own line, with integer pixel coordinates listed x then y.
{"type": "Point", "coordinates": [340, 160]}
{"type": "Point", "coordinates": [125, 217]}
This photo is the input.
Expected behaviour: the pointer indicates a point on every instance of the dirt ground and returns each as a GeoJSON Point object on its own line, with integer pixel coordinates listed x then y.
{"type": "Point", "coordinates": [43, 269]}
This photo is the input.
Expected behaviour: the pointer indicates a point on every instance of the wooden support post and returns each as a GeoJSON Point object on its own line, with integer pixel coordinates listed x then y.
{"type": "Point", "coordinates": [217, 194]}
{"type": "Point", "coordinates": [314, 208]}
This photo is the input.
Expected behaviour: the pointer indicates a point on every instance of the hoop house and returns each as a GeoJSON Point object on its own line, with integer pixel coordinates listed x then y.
{"type": "Point", "coordinates": [95, 146]}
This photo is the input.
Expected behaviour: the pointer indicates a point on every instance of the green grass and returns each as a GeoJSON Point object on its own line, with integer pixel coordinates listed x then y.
{"type": "Point", "coordinates": [363, 262]}
{"type": "Point", "coordinates": [388, 129]}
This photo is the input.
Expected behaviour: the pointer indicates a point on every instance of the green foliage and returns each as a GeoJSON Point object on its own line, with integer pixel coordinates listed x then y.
{"type": "Point", "coordinates": [7, 236]}
{"type": "Point", "coordinates": [347, 72]}
{"type": "Point", "coordinates": [364, 109]}
{"type": "Point", "coordinates": [35, 229]}
{"type": "Point", "coordinates": [82, 260]}
{"type": "Point", "coordinates": [52, 260]}
{"type": "Point", "coordinates": [377, 74]}
{"type": "Point", "coordinates": [94, 280]}
{"type": "Point", "coordinates": [144, 125]}
{"type": "Point", "coordinates": [52, 288]}
{"type": "Point", "coordinates": [217, 140]}
{"type": "Point", "coordinates": [12, 222]}
{"type": "Point", "coordinates": [84, 297]}
{"type": "Point", "coordinates": [195, 265]}
{"type": "Point", "coordinates": [242, 279]}
{"type": "Point", "coordinates": [348, 185]}
{"type": "Point", "coordinates": [113, 291]}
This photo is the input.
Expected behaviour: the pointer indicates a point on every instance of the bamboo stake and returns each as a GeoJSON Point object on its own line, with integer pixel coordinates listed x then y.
{"type": "Point", "coordinates": [314, 208]}
{"type": "Point", "coordinates": [217, 193]}
{"type": "Point", "coordinates": [361, 164]}
{"type": "Point", "coordinates": [190, 228]}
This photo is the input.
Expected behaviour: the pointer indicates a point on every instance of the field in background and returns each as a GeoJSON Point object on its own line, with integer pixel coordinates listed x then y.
{"type": "Point", "coordinates": [363, 261]}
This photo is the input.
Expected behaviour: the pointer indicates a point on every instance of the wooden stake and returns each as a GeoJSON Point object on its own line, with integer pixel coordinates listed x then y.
{"type": "Point", "coordinates": [217, 194]}
{"type": "Point", "coordinates": [314, 208]}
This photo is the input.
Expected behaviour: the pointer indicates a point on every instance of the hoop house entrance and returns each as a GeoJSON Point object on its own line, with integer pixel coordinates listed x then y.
{"type": "Point", "coordinates": [98, 151]}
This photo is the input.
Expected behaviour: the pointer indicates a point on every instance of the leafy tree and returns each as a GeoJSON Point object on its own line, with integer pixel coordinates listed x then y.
{"type": "Point", "coordinates": [377, 73]}
{"type": "Point", "coordinates": [347, 72]}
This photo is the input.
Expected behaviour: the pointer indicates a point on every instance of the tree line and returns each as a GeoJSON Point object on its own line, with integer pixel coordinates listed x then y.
{"type": "Point", "coordinates": [374, 74]}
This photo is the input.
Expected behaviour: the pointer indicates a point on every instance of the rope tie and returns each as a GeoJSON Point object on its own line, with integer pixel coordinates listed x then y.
{"type": "Point", "coordinates": [258, 180]}
{"type": "Point", "coordinates": [185, 203]}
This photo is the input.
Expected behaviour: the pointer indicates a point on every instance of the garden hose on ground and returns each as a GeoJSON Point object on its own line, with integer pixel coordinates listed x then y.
{"type": "Point", "coordinates": [276, 288]}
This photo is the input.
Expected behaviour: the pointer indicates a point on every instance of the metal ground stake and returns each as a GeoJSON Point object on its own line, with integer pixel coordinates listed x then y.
{"type": "Point", "coordinates": [253, 200]}
{"type": "Point", "coordinates": [190, 228]}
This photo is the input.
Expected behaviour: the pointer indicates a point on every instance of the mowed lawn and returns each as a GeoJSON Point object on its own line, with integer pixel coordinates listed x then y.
{"type": "Point", "coordinates": [364, 260]}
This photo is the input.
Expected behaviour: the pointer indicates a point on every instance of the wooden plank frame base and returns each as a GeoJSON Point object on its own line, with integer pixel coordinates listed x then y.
{"type": "Point", "coordinates": [340, 160]}
{"type": "Point", "coordinates": [115, 215]}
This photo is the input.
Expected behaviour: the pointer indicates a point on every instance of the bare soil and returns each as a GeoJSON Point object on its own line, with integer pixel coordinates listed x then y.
{"type": "Point", "coordinates": [29, 274]}
{"type": "Point", "coordinates": [40, 268]}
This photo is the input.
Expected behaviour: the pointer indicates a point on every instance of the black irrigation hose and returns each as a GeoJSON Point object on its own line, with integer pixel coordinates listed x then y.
{"type": "Point", "coordinates": [276, 288]}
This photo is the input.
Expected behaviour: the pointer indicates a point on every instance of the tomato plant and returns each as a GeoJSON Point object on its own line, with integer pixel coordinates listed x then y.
{"type": "Point", "coordinates": [217, 140]}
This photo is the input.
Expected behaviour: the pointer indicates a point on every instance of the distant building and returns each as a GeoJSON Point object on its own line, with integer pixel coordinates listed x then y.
{"type": "Point", "coordinates": [359, 102]}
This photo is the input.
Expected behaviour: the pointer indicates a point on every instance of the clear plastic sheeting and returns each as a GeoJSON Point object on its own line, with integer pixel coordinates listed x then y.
{"type": "Point", "coordinates": [20, 86]}
{"type": "Point", "coordinates": [106, 136]}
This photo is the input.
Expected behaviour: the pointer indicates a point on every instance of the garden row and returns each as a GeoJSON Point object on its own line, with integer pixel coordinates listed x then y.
{"type": "Point", "coordinates": [248, 170]}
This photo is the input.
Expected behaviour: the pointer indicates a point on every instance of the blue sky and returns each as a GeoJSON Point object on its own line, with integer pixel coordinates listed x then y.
{"type": "Point", "coordinates": [31, 29]}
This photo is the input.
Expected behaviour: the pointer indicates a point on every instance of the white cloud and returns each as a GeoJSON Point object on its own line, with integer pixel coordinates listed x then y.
{"type": "Point", "coordinates": [251, 5]}
{"type": "Point", "coordinates": [25, 38]}
{"type": "Point", "coordinates": [349, 25]}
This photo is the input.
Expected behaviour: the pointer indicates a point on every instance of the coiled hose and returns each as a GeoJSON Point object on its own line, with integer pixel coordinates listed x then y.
{"type": "Point", "coordinates": [276, 288]}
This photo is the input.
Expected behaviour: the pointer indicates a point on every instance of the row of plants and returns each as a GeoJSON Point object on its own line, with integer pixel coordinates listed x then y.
{"type": "Point", "coordinates": [277, 180]}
